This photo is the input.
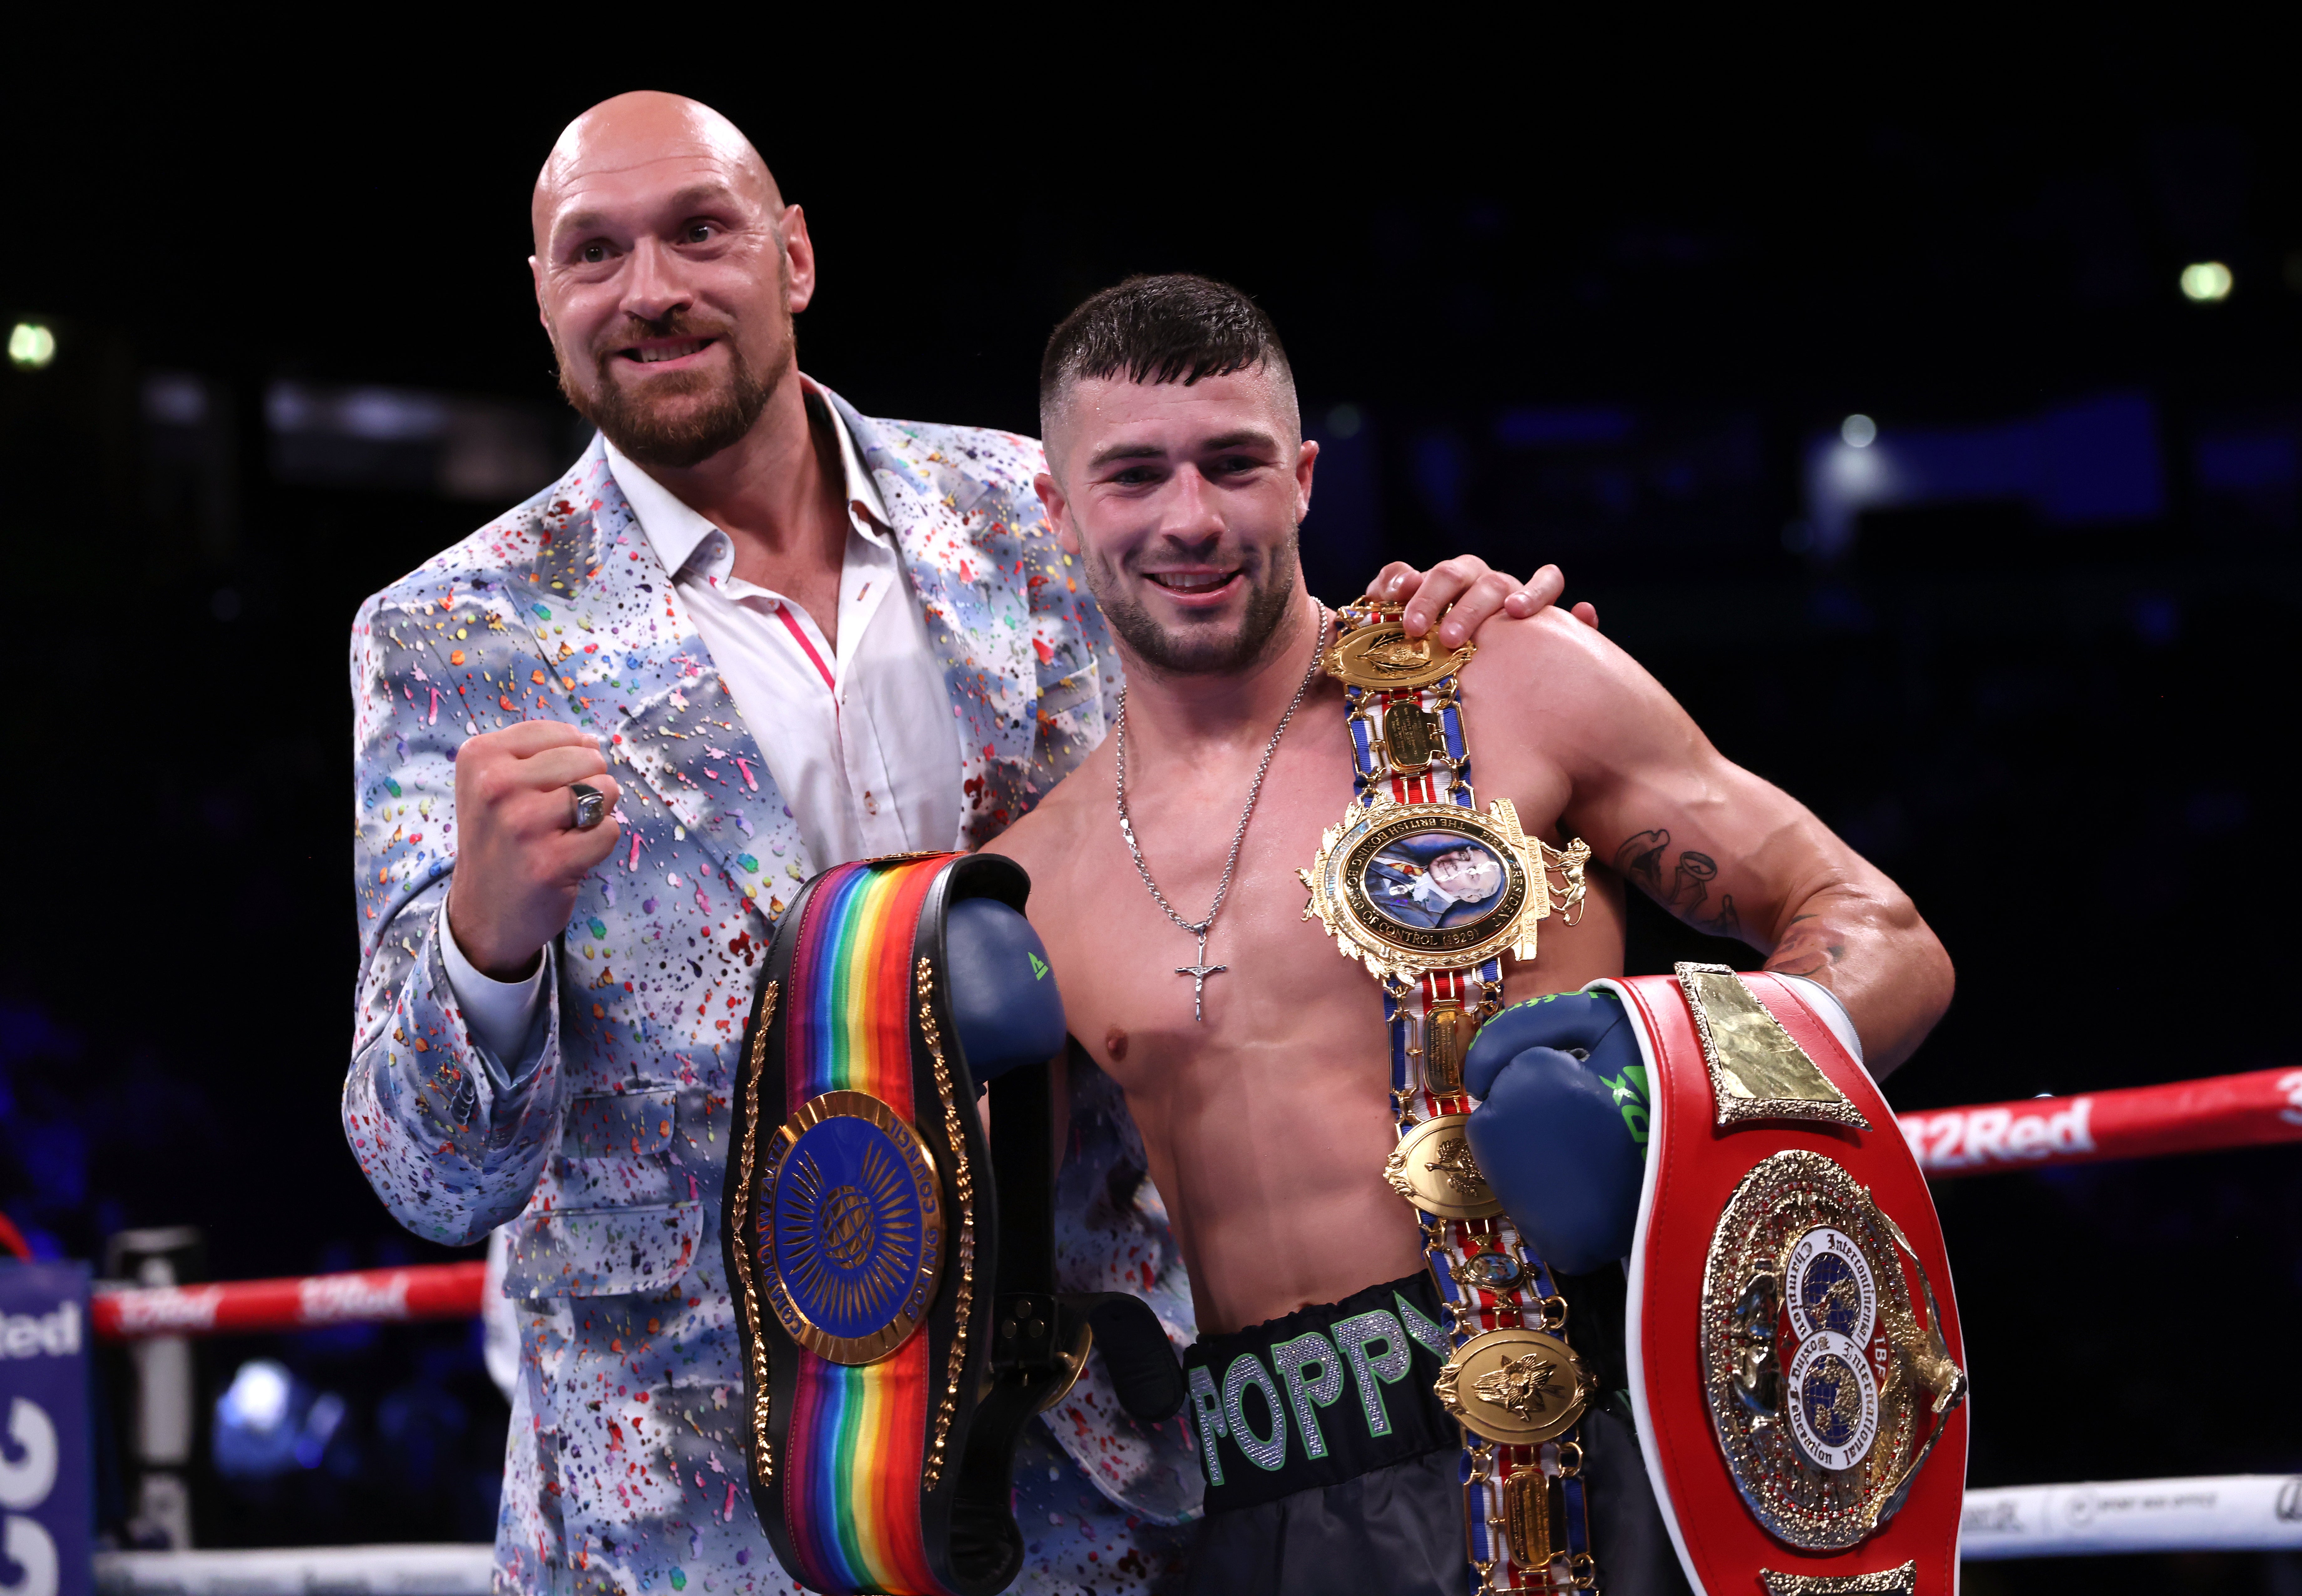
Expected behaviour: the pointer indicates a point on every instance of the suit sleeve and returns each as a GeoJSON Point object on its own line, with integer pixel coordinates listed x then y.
{"type": "Point", "coordinates": [452, 1136]}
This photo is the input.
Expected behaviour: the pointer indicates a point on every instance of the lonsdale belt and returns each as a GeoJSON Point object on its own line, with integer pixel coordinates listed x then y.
{"type": "Point", "coordinates": [893, 1266]}
{"type": "Point", "coordinates": [1429, 894]}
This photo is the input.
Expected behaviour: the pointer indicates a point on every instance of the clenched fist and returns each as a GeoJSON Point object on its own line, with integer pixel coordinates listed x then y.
{"type": "Point", "coordinates": [519, 858]}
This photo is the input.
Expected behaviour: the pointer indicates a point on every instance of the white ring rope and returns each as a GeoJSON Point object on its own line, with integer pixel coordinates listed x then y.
{"type": "Point", "coordinates": [407, 1570]}
{"type": "Point", "coordinates": [2209, 1513]}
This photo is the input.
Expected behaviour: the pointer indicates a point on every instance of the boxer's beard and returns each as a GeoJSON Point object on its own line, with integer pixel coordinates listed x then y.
{"type": "Point", "coordinates": [638, 423]}
{"type": "Point", "coordinates": [1199, 651]}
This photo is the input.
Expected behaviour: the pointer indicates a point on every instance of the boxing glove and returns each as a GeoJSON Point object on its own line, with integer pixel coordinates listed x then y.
{"type": "Point", "coordinates": [1560, 1132]}
{"type": "Point", "coordinates": [1003, 997]}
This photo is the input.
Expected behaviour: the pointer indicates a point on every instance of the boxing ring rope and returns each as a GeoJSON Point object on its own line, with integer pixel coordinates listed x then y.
{"type": "Point", "coordinates": [2144, 1121]}
{"type": "Point", "coordinates": [2208, 1512]}
{"type": "Point", "coordinates": [401, 1570]}
{"type": "Point", "coordinates": [2222, 1112]}
{"type": "Point", "coordinates": [258, 1307]}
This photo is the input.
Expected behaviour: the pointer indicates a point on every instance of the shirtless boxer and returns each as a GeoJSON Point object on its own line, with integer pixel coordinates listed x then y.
{"type": "Point", "coordinates": [1258, 1074]}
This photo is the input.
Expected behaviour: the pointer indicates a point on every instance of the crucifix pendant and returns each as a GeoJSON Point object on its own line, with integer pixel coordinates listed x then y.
{"type": "Point", "coordinates": [1199, 972]}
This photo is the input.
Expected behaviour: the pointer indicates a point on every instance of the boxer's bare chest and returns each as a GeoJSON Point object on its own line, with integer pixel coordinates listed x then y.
{"type": "Point", "coordinates": [1259, 1076]}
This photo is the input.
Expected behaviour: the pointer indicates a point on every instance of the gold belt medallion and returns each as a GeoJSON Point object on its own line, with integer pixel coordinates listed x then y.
{"type": "Point", "coordinates": [1517, 1387]}
{"type": "Point", "coordinates": [1409, 888]}
{"type": "Point", "coordinates": [1384, 658]}
{"type": "Point", "coordinates": [1433, 1168]}
{"type": "Point", "coordinates": [849, 1230]}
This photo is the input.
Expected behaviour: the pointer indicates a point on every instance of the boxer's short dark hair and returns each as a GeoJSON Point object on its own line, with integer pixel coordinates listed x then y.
{"type": "Point", "coordinates": [1174, 328]}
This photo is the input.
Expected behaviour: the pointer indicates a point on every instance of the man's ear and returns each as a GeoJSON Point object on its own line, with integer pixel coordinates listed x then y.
{"type": "Point", "coordinates": [535, 277]}
{"type": "Point", "coordinates": [1058, 508]}
{"type": "Point", "coordinates": [799, 257]}
{"type": "Point", "coordinates": [1305, 458]}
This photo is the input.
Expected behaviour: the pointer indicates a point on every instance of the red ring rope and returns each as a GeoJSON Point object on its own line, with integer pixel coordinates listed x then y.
{"type": "Point", "coordinates": [2182, 1116]}
{"type": "Point", "coordinates": [246, 1308]}
{"type": "Point", "coordinates": [2144, 1121]}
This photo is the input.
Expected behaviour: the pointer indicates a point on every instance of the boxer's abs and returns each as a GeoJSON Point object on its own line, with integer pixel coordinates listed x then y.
{"type": "Point", "coordinates": [1270, 1161]}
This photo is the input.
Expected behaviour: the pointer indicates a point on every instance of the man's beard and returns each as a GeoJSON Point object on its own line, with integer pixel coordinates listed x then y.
{"type": "Point", "coordinates": [638, 426]}
{"type": "Point", "coordinates": [1199, 651]}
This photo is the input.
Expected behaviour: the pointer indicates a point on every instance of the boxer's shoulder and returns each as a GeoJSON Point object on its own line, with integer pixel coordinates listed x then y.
{"type": "Point", "coordinates": [1053, 842]}
{"type": "Point", "coordinates": [1576, 702]}
{"type": "Point", "coordinates": [1548, 645]}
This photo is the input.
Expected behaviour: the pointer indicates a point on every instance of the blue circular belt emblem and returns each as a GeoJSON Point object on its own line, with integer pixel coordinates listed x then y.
{"type": "Point", "coordinates": [1831, 1286]}
{"type": "Point", "coordinates": [1834, 1400]}
{"type": "Point", "coordinates": [1831, 1294]}
{"type": "Point", "coordinates": [1832, 1396]}
{"type": "Point", "coordinates": [1833, 1301]}
{"type": "Point", "coordinates": [850, 1236]}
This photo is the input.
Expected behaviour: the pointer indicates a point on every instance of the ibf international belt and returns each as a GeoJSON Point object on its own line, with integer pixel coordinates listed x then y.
{"type": "Point", "coordinates": [1429, 893]}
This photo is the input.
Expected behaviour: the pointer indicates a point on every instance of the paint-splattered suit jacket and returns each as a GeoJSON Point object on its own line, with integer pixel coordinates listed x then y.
{"type": "Point", "coordinates": [606, 1152]}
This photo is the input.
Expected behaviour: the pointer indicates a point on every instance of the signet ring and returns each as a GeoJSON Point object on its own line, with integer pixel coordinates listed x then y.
{"type": "Point", "coordinates": [590, 804]}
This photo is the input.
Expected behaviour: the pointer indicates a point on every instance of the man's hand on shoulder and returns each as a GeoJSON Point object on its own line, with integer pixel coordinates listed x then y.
{"type": "Point", "coordinates": [519, 859]}
{"type": "Point", "coordinates": [1461, 595]}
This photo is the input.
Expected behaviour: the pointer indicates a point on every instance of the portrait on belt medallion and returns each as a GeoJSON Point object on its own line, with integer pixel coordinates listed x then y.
{"type": "Point", "coordinates": [1433, 880]}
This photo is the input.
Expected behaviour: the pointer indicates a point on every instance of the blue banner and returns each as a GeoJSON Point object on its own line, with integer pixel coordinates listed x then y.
{"type": "Point", "coordinates": [45, 1450]}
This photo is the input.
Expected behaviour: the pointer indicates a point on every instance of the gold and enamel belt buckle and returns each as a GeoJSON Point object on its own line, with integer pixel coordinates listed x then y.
{"type": "Point", "coordinates": [1429, 893]}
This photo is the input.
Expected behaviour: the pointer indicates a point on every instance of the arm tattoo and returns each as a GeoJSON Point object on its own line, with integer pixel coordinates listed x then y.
{"type": "Point", "coordinates": [1687, 891]}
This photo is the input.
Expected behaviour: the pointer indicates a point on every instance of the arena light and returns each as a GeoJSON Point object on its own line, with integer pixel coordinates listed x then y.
{"type": "Point", "coordinates": [1858, 431]}
{"type": "Point", "coordinates": [258, 1396]}
{"type": "Point", "coordinates": [2207, 282]}
{"type": "Point", "coordinates": [30, 345]}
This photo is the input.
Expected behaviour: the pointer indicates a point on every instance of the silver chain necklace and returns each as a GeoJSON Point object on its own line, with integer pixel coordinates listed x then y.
{"type": "Point", "coordinates": [1200, 970]}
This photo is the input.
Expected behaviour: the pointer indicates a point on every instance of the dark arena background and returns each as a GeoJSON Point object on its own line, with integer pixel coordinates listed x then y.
{"type": "Point", "coordinates": [1933, 430]}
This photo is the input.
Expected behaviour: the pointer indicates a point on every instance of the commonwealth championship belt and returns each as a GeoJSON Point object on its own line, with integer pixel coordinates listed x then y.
{"type": "Point", "coordinates": [892, 1265]}
{"type": "Point", "coordinates": [1431, 894]}
{"type": "Point", "coordinates": [1795, 1361]}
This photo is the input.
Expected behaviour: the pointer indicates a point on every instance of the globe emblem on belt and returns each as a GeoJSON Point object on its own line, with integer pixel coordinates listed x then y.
{"type": "Point", "coordinates": [1831, 1286]}
{"type": "Point", "coordinates": [1831, 1294]}
{"type": "Point", "coordinates": [846, 1227]}
{"type": "Point", "coordinates": [849, 1230]}
{"type": "Point", "coordinates": [1832, 1300]}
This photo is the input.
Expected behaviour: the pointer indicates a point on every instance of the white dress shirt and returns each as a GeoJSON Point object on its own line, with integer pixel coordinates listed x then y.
{"type": "Point", "coordinates": [861, 739]}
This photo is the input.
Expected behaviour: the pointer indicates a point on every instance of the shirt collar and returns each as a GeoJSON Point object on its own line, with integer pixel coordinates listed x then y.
{"type": "Point", "coordinates": [675, 531]}
{"type": "Point", "coordinates": [865, 508]}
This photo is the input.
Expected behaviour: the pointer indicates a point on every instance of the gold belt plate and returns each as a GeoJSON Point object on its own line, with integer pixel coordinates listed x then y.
{"type": "Point", "coordinates": [1384, 657]}
{"type": "Point", "coordinates": [1517, 1387]}
{"type": "Point", "coordinates": [1432, 1167]}
{"type": "Point", "coordinates": [1409, 888]}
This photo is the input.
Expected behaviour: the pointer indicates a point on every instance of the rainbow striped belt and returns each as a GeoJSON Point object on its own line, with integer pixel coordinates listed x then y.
{"type": "Point", "coordinates": [885, 1395]}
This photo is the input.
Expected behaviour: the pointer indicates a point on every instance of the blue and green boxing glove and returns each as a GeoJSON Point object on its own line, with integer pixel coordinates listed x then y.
{"type": "Point", "coordinates": [1003, 998]}
{"type": "Point", "coordinates": [1560, 1132]}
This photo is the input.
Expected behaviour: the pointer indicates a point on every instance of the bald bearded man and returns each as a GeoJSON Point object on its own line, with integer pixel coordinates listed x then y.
{"type": "Point", "coordinates": [752, 634]}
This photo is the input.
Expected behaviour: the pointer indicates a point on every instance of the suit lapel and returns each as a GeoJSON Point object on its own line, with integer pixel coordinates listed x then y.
{"type": "Point", "coordinates": [965, 563]}
{"type": "Point", "coordinates": [633, 666]}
